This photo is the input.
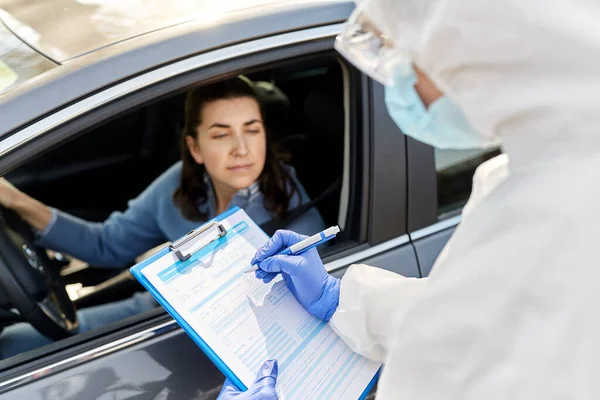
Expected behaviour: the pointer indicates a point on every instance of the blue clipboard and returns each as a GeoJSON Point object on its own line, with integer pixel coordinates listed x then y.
{"type": "Point", "coordinates": [136, 271]}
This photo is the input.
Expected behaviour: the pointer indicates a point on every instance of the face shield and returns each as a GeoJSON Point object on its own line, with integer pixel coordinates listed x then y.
{"type": "Point", "coordinates": [368, 49]}
{"type": "Point", "coordinates": [443, 124]}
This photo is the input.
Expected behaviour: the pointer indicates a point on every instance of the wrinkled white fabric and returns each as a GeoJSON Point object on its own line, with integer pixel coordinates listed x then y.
{"type": "Point", "coordinates": [510, 309]}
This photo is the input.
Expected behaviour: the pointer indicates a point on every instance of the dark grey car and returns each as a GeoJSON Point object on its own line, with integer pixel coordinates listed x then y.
{"type": "Point", "coordinates": [91, 109]}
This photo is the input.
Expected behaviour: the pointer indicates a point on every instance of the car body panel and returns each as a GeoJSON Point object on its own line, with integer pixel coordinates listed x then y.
{"type": "Point", "coordinates": [388, 171]}
{"type": "Point", "coordinates": [400, 260]}
{"type": "Point", "coordinates": [101, 23]}
{"type": "Point", "coordinates": [88, 74]}
{"type": "Point", "coordinates": [150, 365]}
{"type": "Point", "coordinates": [430, 241]}
{"type": "Point", "coordinates": [429, 248]}
{"type": "Point", "coordinates": [170, 364]}
{"type": "Point", "coordinates": [18, 61]}
{"type": "Point", "coordinates": [422, 185]}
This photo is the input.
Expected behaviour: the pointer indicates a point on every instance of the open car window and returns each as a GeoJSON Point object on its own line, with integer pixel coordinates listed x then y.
{"type": "Point", "coordinates": [455, 170]}
{"type": "Point", "coordinates": [104, 167]}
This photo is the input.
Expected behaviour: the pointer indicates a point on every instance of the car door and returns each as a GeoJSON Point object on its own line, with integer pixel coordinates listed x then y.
{"type": "Point", "coordinates": [148, 356]}
{"type": "Point", "coordinates": [389, 245]}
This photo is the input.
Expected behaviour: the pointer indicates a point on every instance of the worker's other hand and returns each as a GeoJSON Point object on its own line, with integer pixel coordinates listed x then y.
{"type": "Point", "coordinates": [304, 274]}
{"type": "Point", "coordinates": [262, 389]}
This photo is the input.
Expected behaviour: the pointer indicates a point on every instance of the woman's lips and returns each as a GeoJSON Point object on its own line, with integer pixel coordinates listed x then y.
{"type": "Point", "coordinates": [240, 168]}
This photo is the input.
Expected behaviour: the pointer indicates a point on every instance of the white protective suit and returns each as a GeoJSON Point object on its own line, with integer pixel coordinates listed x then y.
{"type": "Point", "coordinates": [511, 309]}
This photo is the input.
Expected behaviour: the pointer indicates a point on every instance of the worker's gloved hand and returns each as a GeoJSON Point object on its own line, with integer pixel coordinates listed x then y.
{"type": "Point", "coordinates": [262, 389]}
{"type": "Point", "coordinates": [304, 274]}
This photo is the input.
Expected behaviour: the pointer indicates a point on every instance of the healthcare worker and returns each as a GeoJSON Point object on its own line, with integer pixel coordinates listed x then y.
{"type": "Point", "coordinates": [510, 309]}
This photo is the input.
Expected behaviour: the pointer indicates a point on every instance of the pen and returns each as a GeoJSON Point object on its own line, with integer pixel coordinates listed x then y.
{"type": "Point", "coordinates": [306, 244]}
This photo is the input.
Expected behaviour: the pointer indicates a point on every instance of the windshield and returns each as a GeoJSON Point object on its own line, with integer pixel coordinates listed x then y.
{"type": "Point", "coordinates": [70, 28]}
{"type": "Point", "coordinates": [18, 62]}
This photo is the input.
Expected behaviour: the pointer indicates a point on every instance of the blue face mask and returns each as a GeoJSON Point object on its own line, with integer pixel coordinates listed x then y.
{"type": "Point", "coordinates": [443, 125]}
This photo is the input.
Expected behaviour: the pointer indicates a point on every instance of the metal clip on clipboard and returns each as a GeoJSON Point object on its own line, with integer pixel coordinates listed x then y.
{"type": "Point", "coordinates": [197, 240]}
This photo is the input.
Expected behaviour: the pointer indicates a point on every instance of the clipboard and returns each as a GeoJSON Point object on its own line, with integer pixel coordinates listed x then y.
{"type": "Point", "coordinates": [183, 249]}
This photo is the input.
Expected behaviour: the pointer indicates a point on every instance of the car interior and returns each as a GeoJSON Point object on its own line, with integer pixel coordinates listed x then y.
{"type": "Point", "coordinates": [100, 170]}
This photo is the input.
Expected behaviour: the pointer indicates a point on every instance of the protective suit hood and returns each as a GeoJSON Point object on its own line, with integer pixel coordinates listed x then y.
{"type": "Point", "coordinates": [510, 308]}
{"type": "Point", "coordinates": [521, 70]}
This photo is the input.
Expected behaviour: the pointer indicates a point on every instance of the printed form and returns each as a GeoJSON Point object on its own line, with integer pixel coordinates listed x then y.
{"type": "Point", "coordinates": [245, 321]}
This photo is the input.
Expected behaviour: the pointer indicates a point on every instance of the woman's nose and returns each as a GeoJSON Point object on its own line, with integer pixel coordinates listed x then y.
{"type": "Point", "coordinates": [240, 146]}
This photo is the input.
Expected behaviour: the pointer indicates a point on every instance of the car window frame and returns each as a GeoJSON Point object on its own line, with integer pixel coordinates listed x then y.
{"type": "Point", "coordinates": [389, 195]}
{"type": "Point", "coordinates": [422, 185]}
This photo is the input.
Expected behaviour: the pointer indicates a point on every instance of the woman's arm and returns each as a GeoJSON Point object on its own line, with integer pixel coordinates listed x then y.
{"type": "Point", "coordinates": [114, 243]}
{"type": "Point", "coordinates": [34, 212]}
{"type": "Point", "coordinates": [124, 235]}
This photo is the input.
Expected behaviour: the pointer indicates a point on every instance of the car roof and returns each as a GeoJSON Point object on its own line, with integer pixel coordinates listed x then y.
{"type": "Point", "coordinates": [70, 28]}
{"type": "Point", "coordinates": [49, 91]}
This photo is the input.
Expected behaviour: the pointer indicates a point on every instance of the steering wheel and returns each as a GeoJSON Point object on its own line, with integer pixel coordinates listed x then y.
{"type": "Point", "coordinates": [30, 281]}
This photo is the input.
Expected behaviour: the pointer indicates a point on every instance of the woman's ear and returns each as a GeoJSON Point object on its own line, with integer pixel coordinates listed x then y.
{"type": "Point", "coordinates": [194, 149]}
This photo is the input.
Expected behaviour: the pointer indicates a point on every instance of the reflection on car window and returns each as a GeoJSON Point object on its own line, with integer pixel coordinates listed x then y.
{"type": "Point", "coordinates": [18, 62]}
{"type": "Point", "coordinates": [455, 169]}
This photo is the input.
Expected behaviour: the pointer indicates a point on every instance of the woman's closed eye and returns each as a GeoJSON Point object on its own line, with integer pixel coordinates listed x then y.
{"type": "Point", "coordinates": [253, 126]}
{"type": "Point", "coordinates": [219, 135]}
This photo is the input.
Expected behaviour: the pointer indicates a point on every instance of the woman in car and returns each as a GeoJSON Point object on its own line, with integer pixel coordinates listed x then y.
{"type": "Point", "coordinates": [226, 161]}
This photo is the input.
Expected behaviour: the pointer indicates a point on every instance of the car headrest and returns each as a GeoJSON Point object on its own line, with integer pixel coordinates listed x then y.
{"type": "Point", "coordinates": [324, 107]}
{"type": "Point", "coordinates": [276, 106]}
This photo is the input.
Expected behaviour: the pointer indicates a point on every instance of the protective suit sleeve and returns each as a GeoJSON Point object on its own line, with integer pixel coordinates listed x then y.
{"type": "Point", "coordinates": [372, 302]}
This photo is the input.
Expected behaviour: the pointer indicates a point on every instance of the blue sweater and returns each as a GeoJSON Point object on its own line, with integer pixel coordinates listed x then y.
{"type": "Point", "coordinates": [152, 219]}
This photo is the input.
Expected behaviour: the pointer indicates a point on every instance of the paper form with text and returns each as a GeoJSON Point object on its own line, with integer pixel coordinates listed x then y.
{"type": "Point", "coordinates": [239, 321]}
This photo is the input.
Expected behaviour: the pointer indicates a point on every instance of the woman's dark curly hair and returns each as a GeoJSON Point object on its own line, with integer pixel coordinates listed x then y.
{"type": "Point", "coordinates": [276, 183]}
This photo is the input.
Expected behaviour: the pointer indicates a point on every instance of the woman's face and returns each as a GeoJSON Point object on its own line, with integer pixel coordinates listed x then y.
{"type": "Point", "coordinates": [231, 142]}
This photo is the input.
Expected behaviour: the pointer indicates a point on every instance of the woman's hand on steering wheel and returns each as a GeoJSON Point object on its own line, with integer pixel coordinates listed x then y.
{"type": "Point", "coordinates": [30, 282]}
{"type": "Point", "coordinates": [36, 214]}
{"type": "Point", "coordinates": [8, 194]}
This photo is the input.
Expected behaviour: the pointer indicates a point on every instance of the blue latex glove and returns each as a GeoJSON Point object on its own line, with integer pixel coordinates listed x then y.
{"type": "Point", "coordinates": [262, 389]}
{"type": "Point", "coordinates": [304, 274]}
